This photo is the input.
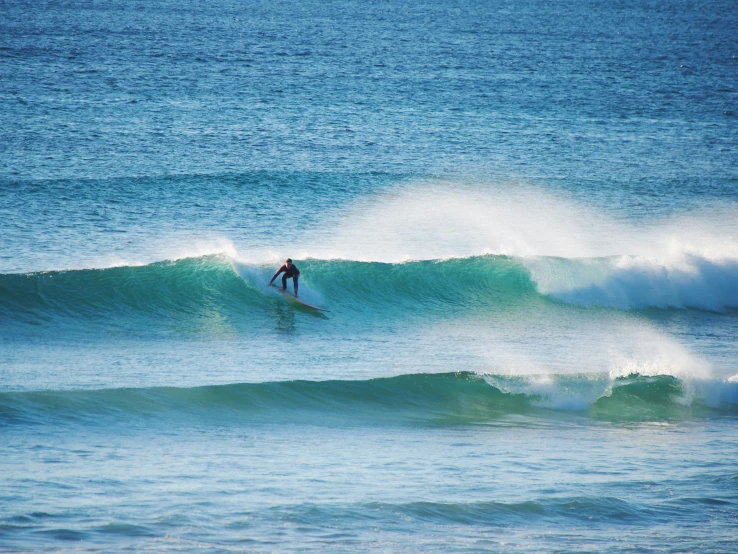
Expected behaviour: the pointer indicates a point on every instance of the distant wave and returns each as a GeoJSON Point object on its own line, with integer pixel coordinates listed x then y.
{"type": "Point", "coordinates": [562, 510]}
{"type": "Point", "coordinates": [427, 399]}
{"type": "Point", "coordinates": [197, 287]}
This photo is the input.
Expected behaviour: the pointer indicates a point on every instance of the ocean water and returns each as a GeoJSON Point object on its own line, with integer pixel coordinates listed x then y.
{"type": "Point", "coordinates": [522, 216]}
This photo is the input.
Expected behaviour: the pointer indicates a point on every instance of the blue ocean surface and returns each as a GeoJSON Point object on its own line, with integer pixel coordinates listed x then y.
{"type": "Point", "coordinates": [521, 216]}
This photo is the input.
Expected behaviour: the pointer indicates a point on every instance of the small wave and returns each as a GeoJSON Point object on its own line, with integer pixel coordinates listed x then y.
{"type": "Point", "coordinates": [503, 513]}
{"type": "Point", "coordinates": [487, 513]}
{"type": "Point", "coordinates": [428, 399]}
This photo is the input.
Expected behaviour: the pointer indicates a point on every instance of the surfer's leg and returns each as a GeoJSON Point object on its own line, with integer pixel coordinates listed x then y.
{"type": "Point", "coordinates": [294, 282]}
{"type": "Point", "coordinates": [284, 281]}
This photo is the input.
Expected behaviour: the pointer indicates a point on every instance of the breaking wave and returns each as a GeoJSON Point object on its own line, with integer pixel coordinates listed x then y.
{"type": "Point", "coordinates": [195, 287]}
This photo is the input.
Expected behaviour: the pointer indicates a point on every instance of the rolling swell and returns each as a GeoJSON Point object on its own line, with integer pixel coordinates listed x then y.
{"type": "Point", "coordinates": [437, 399]}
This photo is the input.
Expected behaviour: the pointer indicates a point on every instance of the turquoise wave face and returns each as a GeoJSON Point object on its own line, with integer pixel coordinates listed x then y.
{"type": "Point", "coordinates": [216, 285]}
{"type": "Point", "coordinates": [197, 287]}
{"type": "Point", "coordinates": [433, 399]}
{"type": "Point", "coordinates": [162, 290]}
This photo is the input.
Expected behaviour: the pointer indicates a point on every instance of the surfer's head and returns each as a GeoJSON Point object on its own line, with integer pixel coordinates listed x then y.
{"type": "Point", "coordinates": [288, 262]}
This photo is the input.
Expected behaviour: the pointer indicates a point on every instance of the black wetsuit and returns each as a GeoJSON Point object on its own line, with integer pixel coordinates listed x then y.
{"type": "Point", "coordinates": [288, 272]}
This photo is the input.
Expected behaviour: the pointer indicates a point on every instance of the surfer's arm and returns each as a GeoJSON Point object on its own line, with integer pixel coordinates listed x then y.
{"type": "Point", "coordinates": [280, 270]}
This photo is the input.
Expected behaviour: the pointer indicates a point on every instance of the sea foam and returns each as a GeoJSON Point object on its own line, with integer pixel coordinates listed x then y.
{"type": "Point", "coordinates": [628, 282]}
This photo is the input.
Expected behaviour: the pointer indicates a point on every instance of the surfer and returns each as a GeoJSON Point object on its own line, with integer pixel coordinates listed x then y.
{"type": "Point", "coordinates": [290, 270]}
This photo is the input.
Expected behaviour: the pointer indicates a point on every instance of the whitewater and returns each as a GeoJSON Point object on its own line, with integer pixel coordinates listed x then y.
{"type": "Point", "coordinates": [523, 219]}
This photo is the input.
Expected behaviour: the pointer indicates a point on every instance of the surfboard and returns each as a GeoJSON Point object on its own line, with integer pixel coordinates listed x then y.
{"type": "Point", "coordinates": [289, 296]}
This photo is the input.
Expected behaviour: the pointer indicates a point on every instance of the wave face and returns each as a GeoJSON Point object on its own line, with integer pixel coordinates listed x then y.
{"type": "Point", "coordinates": [439, 399]}
{"type": "Point", "coordinates": [204, 287]}
{"type": "Point", "coordinates": [166, 289]}
{"type": "Point", "coordinates": [217, 285]}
